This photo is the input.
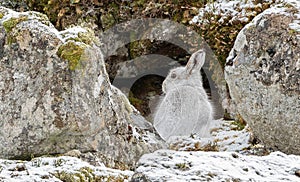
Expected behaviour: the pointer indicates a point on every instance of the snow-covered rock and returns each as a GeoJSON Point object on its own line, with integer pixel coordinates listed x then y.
{"type": "Point", "coordinates": [186, 162]}
{"type": "Point", "coordinates": [55, 95]}
{"type": "Point", "coordinates": [225, 136]}
{"type": "Point", "coordinates": [168, 165]}
{"type": "Point", "coordinates": [263, 75]}
{"type": "Point", "coordinates": [229, 155]}
{"type": "Point", "coordinates": [56, 169]}
{"type": "Point", "coordinates": [234, 10]}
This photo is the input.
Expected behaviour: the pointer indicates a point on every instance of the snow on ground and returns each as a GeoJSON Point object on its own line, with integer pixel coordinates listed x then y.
{"type": "Point", "coordinates": [226, 156]}
{"type": "Point", "coordinates": [169, 165]}
{"type": "Point", "coordinates": [225, 136]}
{"type": "Point", "coordinates": [54, 169]}
{"type": "Point", "coordinates": [229, 137]}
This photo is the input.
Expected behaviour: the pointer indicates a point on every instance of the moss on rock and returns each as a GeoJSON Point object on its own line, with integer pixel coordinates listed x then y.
{"type": "Point", "coordinates": [12, 22]}
{"type": "Point", "coordinates": [9, 25]}
{"type": "Point", "coordinates": [1, 15]}
{"type": "Point", "coordinates": [81, 35]}
{"type": "Point", "coordinates": [72, 51]}
{"type": "Point", "coordinates": [87, 37]}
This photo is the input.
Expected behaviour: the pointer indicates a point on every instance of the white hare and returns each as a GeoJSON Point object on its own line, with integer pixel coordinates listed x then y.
{"type": "Point", "coordinates": [185, 109]}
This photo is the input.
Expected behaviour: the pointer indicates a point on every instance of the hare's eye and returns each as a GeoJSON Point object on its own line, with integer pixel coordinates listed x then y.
{"type": "Point", "coordinates": [173, 75]}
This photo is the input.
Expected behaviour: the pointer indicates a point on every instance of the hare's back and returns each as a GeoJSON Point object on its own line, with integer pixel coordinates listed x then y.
{"type": "Point", "coordinates": [183, 111]}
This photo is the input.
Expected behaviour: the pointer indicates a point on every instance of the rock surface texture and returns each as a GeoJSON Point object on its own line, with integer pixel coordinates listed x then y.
{"type": "Point", "coordinates": [263, 75]}
{"type": "Point", "coordinates": [55, 95]}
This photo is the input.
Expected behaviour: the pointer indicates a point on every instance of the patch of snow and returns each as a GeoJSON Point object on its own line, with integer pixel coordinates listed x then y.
{"type": "Point", "coordinates": [225, 137]}
{"type": "Point", "coordinates": [9, 14]}
{"type": "Point", "coordinates": [30, 15]}
{"type": "Point", "coordinates": [295, 26]}
{"type": "Point", "coordinates": [41, 20]}
{"type": "Point", "coordinates": [296, 23]}
{"type": "Point", "coordinates": [150, 138]}
{"type": "Point", "coordinates": [230, 138]}
{"type": "Point", "coordinates": [18, 75]}
{"type": "Point", "coordinates": [184, 163]}
{"type": "Point", "coordinates": [284, 7]}
{"type": "Point", "coordinates": [234, 161]}
{"type": "Point", "coordinates": [71, 33]}
{"type": "Point", "coordinates": [45, 168]}
{"type": "Point", "coordinates": [234, 9]}
{"type": "Point", "coordinates": [168, 165]}
{"type": "Point", "coordinates": [97, 86]}
{"type": "Point", "coordinates": [240, 42]}
{"type": "Point", "coordinates": [238, 10]}
{"type": "Point", "coordinates": [135, 133]}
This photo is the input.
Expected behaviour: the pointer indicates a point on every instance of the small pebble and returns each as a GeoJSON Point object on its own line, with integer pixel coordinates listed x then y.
{"type": "Point", "coordinates": [245, 169]}
{"type": "Point", "coordinates": [234, 155]}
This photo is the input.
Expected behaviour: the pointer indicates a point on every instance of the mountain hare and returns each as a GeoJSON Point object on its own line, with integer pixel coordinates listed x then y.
{"type": "Point", "coordinates": [185, 109]}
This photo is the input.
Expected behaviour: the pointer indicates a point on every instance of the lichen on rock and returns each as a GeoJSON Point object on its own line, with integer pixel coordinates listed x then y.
{"type": "Point", "coordinates": [263, 75]}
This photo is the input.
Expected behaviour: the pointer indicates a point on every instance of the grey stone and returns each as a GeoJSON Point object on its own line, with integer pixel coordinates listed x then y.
{"type": "Point", "coordinates": [263, 75]}
{"type": "Point", "coordinates": [55, 95]}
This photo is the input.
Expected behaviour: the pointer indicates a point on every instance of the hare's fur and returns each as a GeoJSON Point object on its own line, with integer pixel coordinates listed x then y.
{"type": "Point", "coordinates": [185, 109]}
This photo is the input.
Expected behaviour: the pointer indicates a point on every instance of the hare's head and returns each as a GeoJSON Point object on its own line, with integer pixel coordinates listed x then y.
{"type": "Point", "coordinates": [186, 76]}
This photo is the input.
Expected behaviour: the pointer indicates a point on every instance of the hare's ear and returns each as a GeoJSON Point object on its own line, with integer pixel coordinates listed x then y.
{"type": "Point", "coordinates": [196, 61]}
